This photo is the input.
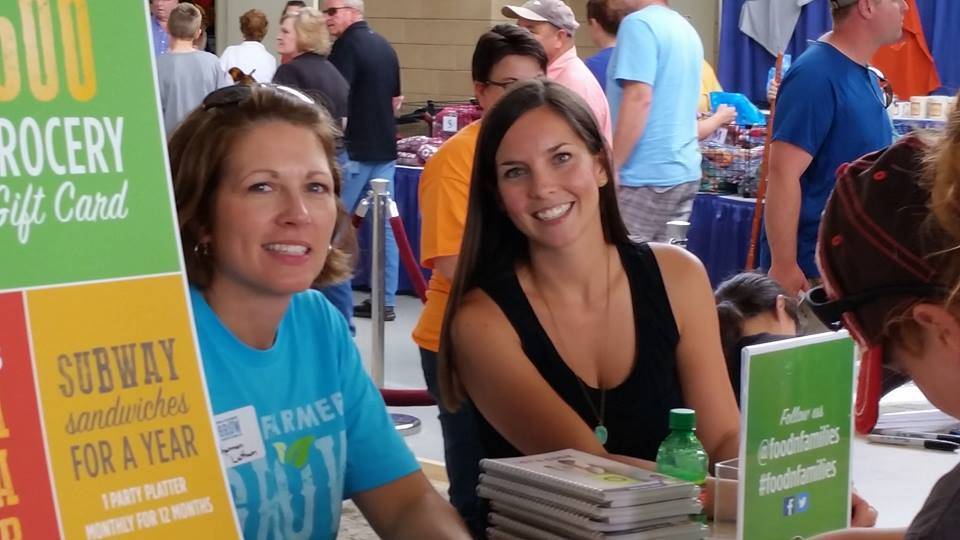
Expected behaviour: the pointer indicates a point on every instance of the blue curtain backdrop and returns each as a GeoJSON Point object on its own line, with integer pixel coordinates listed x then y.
{"type": "Point", "coordinates": [941, 25]}
{"type": "Point", "coordinates": [743, 63]}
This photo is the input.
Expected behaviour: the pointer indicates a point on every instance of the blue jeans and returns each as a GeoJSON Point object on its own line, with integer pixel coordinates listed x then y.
{"type": "Point", "coordinates": [341, 296]}
{"type": "Point", "coordinates": [356, 181]}
{"type": "Point", "coordinates": [462, 451]}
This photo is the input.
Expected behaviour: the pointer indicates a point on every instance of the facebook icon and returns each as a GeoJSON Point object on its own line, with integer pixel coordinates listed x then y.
{"type": "Point", "coordinates": [789, 506]}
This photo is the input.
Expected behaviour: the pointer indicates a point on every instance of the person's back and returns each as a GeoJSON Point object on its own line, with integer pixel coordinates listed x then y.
{"type": "Point", "coordinates": [315, 74]}
{"type": "Point", "coordinates": [184, 80]}
{"type": "Point", "coordinates": [185, 75]}
{"type": "Point", "coordinates": [251, 56]}
{"type": "Point", "coordinates": [370, 66]}
{"type": "Point", "coordinates": [667, 153]}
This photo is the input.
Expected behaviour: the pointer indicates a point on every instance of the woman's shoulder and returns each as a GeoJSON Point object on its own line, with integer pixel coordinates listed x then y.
{"type": "Point", "coordinates": [675, 263]}
{"type": "Point", "coordinates": [477, 315]}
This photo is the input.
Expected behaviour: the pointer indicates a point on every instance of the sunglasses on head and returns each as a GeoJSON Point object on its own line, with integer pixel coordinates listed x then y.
{"type": "Point", "coordinates": [830, 312]}
{"type": "Point", "coordinates": [234, 95]}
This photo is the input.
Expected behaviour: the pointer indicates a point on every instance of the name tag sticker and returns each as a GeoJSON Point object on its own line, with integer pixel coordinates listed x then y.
{"type": "Point", "coordinates": [238, 433]}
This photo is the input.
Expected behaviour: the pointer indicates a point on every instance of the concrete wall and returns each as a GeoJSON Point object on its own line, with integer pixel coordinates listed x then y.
{"type": "Point", "coordinates": [435, 38]}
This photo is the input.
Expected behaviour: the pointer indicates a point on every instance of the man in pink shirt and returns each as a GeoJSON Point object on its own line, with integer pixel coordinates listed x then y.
{"type": "Point", "coordinates": [553, 24]}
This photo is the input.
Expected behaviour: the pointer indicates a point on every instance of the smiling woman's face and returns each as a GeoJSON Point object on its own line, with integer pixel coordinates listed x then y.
{"type": "Point", "coordinates": [548, 180]}
{"type": "Point", "coordinates": [274, 212]}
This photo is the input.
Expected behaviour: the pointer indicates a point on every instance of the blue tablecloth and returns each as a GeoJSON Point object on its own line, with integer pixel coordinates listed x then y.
{"type": "Point", "coordinates": [405, 183]}
{"type": "Point", "coordinates": [719, 231]}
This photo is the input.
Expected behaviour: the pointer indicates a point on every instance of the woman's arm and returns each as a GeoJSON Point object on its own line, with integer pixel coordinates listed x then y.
{"type": "Point", "coordinates": [506, 387]}
{"type": "Point", "coordinates": [703, 372]}
{"type": "Point", "coordinates": [409, 507]}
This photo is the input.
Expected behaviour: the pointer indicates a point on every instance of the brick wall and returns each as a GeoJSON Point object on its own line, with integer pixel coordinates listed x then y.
{"type": "Point", "coordinates": [435, 38]}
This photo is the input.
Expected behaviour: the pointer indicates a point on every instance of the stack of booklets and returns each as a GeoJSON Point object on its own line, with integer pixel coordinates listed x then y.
{"type": "Point", "coordinates": [574, 495]}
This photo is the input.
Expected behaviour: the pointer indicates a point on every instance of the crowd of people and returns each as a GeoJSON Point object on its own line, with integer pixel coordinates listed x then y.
{"type": "Point", "coordinates": [554, 317]}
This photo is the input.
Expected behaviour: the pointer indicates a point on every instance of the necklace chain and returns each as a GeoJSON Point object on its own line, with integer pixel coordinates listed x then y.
{"type": "Point", "coordinates": [600, 431]}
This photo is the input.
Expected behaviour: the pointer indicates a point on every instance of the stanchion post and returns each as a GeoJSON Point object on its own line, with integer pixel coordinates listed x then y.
{"type": "Point", "coordinates": [677, 232]}
{"type": "Point", "coordinates": [380, 197]}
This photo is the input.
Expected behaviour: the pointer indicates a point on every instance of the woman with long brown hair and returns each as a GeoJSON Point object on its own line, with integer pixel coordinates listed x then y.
{"type": "Point", "coordinates": [562, 331]}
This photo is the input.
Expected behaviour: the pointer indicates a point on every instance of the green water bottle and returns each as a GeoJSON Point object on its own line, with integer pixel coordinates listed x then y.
{"type": "Point", "coordinates": [681, 455]}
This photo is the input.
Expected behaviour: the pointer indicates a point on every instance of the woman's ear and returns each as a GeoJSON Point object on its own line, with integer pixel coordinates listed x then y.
{"type": "Point", "coordinates": [943, 326]}
{"type": "Point", "coordinates": [600, 171]}
{"type": "Point", "coordinates": [788, 323]}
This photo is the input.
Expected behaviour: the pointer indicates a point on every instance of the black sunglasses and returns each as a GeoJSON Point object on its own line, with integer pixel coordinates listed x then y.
{"type": "Point", "coordinates": [830, 312]}
{"type": "Point", "coordinates": [235, 94]}
{"type": "Point", "coordinates": [330, 12]}
{"type": "Point", "coordinates": [886, 89]}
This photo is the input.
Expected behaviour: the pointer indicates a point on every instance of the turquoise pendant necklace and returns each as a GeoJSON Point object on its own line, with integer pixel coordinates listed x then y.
{"type": "Point", "coordinates": [599, 431]}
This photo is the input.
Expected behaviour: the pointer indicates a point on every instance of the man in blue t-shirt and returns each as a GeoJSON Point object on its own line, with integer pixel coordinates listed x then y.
{"type": "Point", "coordinates": [830, 111]}
{"type": "Point", "coordinates": [653, 84]}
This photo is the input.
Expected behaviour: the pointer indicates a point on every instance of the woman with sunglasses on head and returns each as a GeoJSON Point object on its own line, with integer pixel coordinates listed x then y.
{"type": "Point", "coordinates": [891, 275]}
{"type": "Point", "coordinates": [256, 186]}
{"type": "Point", "coordinates": [562, 331]}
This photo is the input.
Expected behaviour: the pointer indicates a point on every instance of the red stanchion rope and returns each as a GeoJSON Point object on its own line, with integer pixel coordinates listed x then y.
{"type": "Point", "coordinates": [410, 262]}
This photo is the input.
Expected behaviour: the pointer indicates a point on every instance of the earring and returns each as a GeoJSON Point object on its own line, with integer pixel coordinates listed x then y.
{"type": "Point", "coordinates": [602, 181]}
{"type": "Point", "coordinates": [202, 249]}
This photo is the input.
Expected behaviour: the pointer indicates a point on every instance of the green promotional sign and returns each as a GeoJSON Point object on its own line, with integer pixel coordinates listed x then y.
{"type": "Point", "coordinates": [795, 441]}
{"type": "Point", "coordinates": [83, 189]}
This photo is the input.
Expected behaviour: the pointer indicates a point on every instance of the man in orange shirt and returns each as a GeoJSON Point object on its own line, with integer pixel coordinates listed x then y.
{"type": "Point", "coordinates": [504, 55]}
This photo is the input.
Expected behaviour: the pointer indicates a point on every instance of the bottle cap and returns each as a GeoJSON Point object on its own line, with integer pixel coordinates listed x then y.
{"type": "Point", "coordinates": [683, 419]}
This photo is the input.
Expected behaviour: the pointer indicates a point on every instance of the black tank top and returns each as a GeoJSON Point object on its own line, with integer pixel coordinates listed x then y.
{"type": "Point", "coordinates": [637, 411]}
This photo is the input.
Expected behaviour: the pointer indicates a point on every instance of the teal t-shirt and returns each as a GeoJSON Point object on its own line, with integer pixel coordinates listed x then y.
{"type": "Point", "coordinates": [325, 431]}
{"type": "Point", "coordinates": [659, 47]}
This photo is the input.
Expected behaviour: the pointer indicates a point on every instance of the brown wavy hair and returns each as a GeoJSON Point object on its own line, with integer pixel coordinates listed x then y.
{"type": "Point", "coordinates": [253, 25]}
{"type": "Point", "coordinates": [943, 170]}
{"type": "Point", "coordinates": [198, 151]}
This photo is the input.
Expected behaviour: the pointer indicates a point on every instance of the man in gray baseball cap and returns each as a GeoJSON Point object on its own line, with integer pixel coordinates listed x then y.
{"type": "Point", "coordinates": [555, 12]}
{"type": "Point", "coordinates": [553, 24]}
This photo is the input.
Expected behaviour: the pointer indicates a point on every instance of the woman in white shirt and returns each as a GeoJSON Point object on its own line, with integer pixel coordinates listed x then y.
{"type": "Point", "coordinates": [251, 57]}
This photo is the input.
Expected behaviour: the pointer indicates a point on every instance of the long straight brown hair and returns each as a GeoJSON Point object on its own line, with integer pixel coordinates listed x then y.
{"type": "Point", "coordinates": [492, 245]}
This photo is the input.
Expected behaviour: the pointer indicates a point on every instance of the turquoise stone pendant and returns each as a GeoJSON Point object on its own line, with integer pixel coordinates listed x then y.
{"type": "Point", "coordinates": [601, 432]}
